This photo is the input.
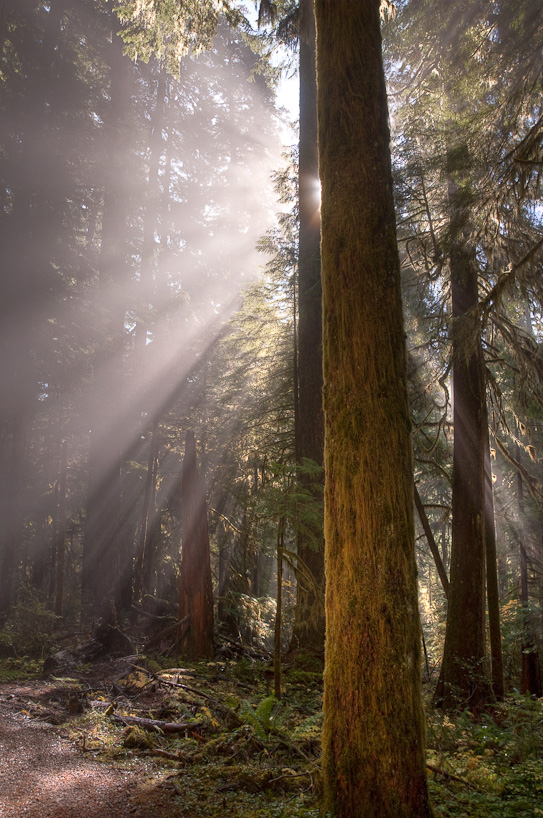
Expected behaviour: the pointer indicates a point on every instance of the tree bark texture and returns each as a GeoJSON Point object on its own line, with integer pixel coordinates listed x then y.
{"type": "Point", "coordinates": [195, 589]}
{"type": "Point", "coordinates": [463, 681]}
{"type": "Point", "coordinates": [308, 632]}
{"type": "Point", "coordinates": [373, 735]}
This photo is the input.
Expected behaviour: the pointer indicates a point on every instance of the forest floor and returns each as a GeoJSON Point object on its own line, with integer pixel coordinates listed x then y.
{"type": "Point", "coordinates": [128, 738]}
{"type": "Point", "coordinates": [138, 737]}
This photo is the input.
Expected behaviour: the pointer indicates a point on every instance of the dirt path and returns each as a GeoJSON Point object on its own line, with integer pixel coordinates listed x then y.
{"type": "Point", "coordinates": [44, 775]}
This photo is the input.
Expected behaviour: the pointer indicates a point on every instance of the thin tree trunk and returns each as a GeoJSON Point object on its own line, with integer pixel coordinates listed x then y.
{"type": "Point", "coordinates": [146, 284]}
{"type": "Point", "coordinates": [442, 573]}
{"type": "Point", "coordinates": [463, 680]}
{"type": "Point", "coordinates": [295, 370]}
{"type": "Point", "coordinates": [61, 529]}
{"type": "Point", "coordinates": [492, 589]}
{"type": "Point", "coordinates": [223, 538]}
{"type": "Point", "coordinates": [278, 610]}
{"type": "Point", "coordinates": [148, 503]}
{"type": "Point", "coordinates": [154, 539]}
{"type": "Point", "coordinates": [444, 548]}
{"type": "Point", "coordinates": [373, 734]}
{"type": "Point", "coordinates": [531, 671]}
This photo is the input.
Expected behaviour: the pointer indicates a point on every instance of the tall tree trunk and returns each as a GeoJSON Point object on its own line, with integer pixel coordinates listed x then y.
{"type": "Point", "coordinates": [308, 631]}
{"type": "Point", "coordinates": [146, 285]}
{"type": "Point", "coordinates": [146, 530]}
{"type": "Point", "coordinates": [195, 639]}
{"type": "Point", "coordinates": [492, 588]}
{"type": "Point", "coordinates": [154, 536]}
{"type": "Point", "coordinates": [373, 734]}
{"type": "Point", "coordinates": [278, 610]}
{"type": "Point", "coordinates": [223, 539]}
{"type": "Point", "coordinates": [463, 681]}
{"type": "Point", "coordinates": [531, 671]}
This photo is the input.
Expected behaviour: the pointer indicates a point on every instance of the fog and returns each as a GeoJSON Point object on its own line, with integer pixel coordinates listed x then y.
{"type": "Point", "coordinates": [132, 204]}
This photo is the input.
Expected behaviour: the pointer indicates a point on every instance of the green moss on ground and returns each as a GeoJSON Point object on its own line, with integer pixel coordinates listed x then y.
{"type": "Point", "coordinates": [19, 669]}
{"type": "Point", "coordinates": [244, 754]}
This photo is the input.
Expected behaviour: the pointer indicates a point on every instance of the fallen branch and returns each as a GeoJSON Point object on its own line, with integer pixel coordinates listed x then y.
{"type": "Point", "coordinates": [217, 705]}
{"type": "Point", "coordinates": [452, 776]}
{"type": "Point", "coordinates": [155, 725]}
{"type": "Point", "coordinates": [248, 650]}
{"type": "Point", "coordinates": [293, 748]}
{"type": "Point", "coordinates": [180, 756]}
{"type": "Point", "coordinates": [432, 543]}
{"type": "Point", "coordinates": [289, 777]}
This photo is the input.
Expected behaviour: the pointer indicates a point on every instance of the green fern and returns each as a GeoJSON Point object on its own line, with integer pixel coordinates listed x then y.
{"type": "Point", "coordinates": [262, 717]}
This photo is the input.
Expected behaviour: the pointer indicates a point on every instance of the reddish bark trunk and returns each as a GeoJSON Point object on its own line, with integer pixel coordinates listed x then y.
{"type": "Point", "coordinates": [463, 681]}
{"type": "Point", "coordinates": [195, 635]}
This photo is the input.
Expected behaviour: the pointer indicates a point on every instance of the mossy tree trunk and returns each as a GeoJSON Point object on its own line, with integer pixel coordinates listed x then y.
{"type": "Point", "coordinates": [373, 735]}
{"type": "Point", "coordinates": [308, 631]}
{"type": "Point", "coordinates": [463, 680]}
{"type": "Point", "coordinates": [195, 636]}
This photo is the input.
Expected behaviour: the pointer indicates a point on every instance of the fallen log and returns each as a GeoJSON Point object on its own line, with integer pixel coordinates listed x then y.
{"type": "Point", "coordinates": [452, 777]}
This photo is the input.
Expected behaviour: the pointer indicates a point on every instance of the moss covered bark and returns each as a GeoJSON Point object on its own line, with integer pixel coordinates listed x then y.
{"type": "Point", "coordinates": [373, 737]}
{"type": "Point", "coordinates": [308, 631]}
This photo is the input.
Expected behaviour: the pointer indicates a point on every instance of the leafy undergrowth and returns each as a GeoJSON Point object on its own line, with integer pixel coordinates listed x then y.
{"type": "Point", "coordinates": [19, 669]}
{"type": "Point", "coordinates": [492, 765]}
{"type": "Point", "coordinates": [224, 746]}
